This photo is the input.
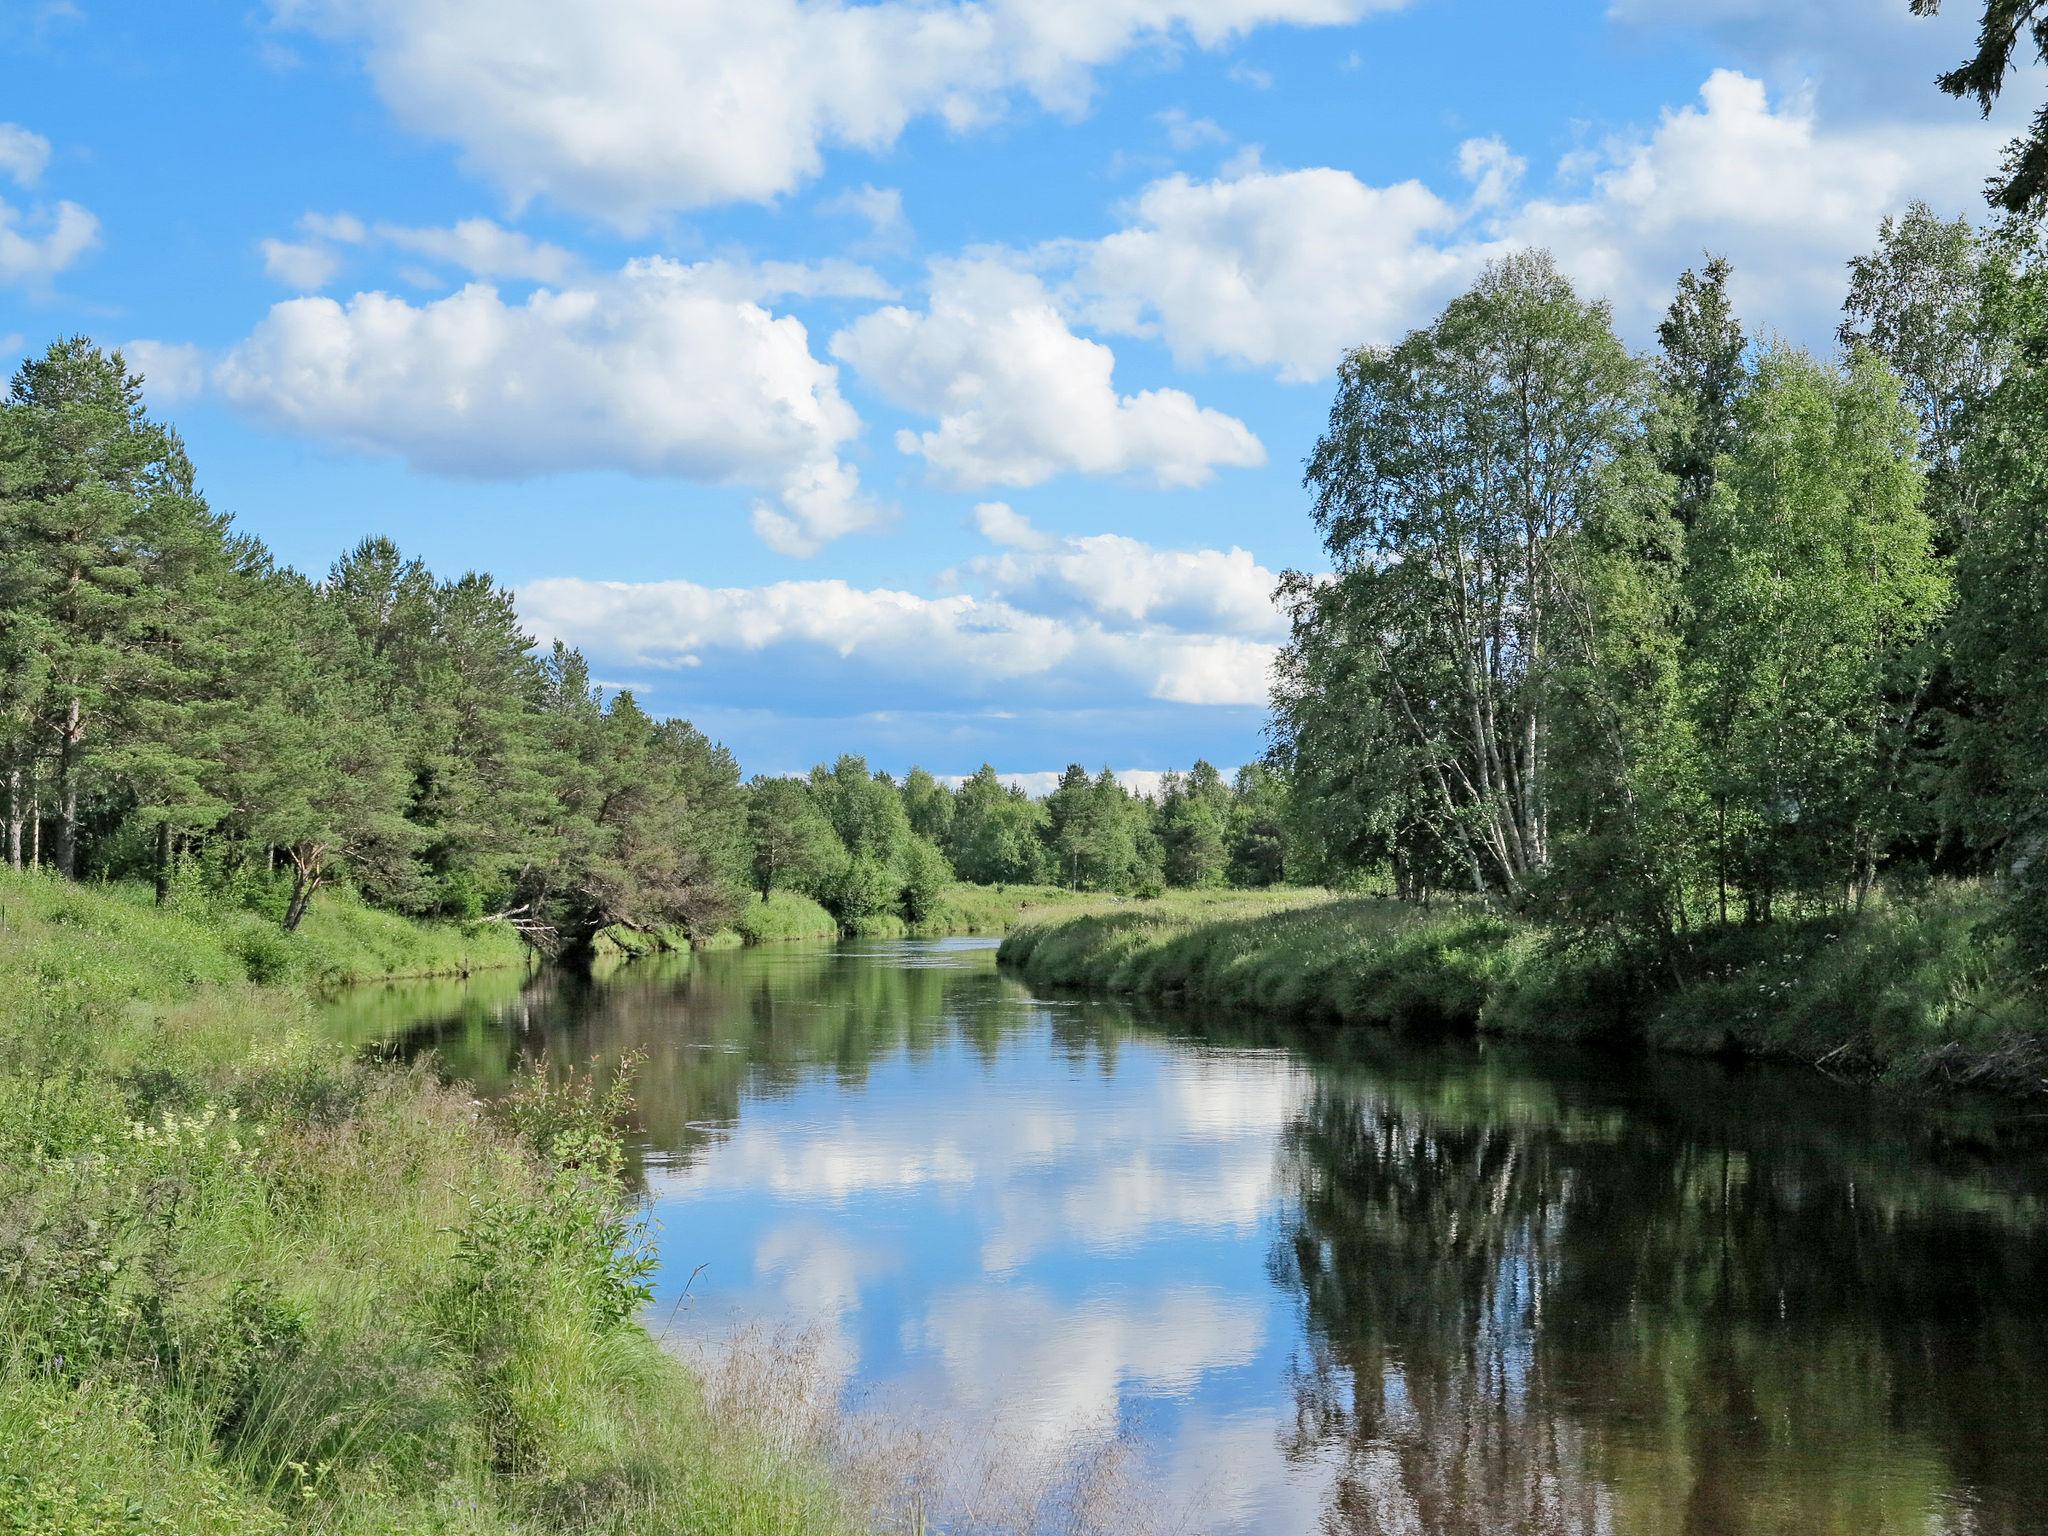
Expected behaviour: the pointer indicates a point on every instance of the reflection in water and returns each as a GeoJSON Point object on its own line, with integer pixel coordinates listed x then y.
{"type": "Point", "coordinates": [1353, 1285]}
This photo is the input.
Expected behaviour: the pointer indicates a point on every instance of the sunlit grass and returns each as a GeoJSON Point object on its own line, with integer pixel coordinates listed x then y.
{"type": "Point", "coordinates": [256, 1285]}
{"type": "Point", "coordinates": [1905, 988]}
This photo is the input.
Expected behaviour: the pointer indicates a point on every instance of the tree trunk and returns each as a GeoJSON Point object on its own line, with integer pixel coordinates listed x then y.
{"type": "Point", "coordinates": [14, 817]}
{"type": "Point", "coordinates": [307, 877]}
{"type": "Point", "coordinates": [66, 852]}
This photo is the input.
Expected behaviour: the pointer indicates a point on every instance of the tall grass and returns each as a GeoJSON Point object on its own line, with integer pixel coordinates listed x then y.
{"type": "Point", "coordinates": [249, 1283]}
{"type": "Point", "coordinates": [961, 908]}
{"type": "Point", "coordinates": [1904, 989]}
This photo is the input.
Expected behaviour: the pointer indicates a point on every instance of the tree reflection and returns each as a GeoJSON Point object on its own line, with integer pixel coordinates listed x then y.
{"type": "Point", "coordinates": [1636, 1311]}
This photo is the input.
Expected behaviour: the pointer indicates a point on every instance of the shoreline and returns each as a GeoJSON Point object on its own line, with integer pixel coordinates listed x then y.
{"type": "Point", "coordinates": [1890, 997]}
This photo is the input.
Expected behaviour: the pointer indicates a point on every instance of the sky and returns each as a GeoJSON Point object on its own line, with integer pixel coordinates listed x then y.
{"type": "Point", "coordinates": [917, 378]}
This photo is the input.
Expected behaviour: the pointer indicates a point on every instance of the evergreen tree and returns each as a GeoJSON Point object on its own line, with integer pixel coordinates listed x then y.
{"type": "Point", "coordinates": [112, 571]}
{"type": "Point", "coordinates": [1700, 379]}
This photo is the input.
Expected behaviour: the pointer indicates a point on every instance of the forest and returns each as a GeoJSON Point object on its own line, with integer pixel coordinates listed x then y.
{"type": "Point", "coordinates": [177, 707]}
{"type": "Point", "coordinates": [1733, 634]}
{"type": "Point", "coordinates": [1640, 646]}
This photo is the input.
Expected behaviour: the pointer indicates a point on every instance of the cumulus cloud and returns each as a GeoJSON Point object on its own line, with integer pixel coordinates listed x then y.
{"type": "Point", "coordinates": [1863, 58]}
{"type": "Point", "coordinates": [1079, 1358]}
{"type": "Point", "coordinates": [483, 248]}
{"type": "Point", "coordinates": [1275, 269]}
{"type": "Point", "coordinates": [652, 371]}
{"type": "Point", "coordinates": [23, 155]}
{"type": "Point", "coordinates": [1020, 398]}
{"type": "Point", "coordinates": [1125, 583]}
{"type": "Point", "coordinates": [627, 109]}
{"type": "Point", "coordinates": [37, 243]}
{"type": "Point", "coordinates": [480, 247]}
{"type": "Point", "coordinates": [1286, 269]}
{"type": "Point", "coordinates": [1000, 523]}
{"type": "Point", "coordinates": [1786, 197]}
{"type": "Point", "coordinates": [303, 265]}
{"type": "Point", "coordinates": [828, 639]}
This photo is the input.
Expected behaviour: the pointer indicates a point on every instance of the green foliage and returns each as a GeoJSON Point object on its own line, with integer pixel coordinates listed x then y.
{"type": "Point", "coordinates": [255, 1285]}
{"type": "Point", "coordinates": [794, 847]}
{"type": "Point", "coordinates": [1456, 472]}
{"type": "Point", "coordinates": [1811, 583]}
{"type": "Point", "coordinates": [1995, 798]}
{"type": "Point", "coordinates": [784, 915]}
{"type": "Point", "coordinates": [924, 874]}
{"type": "Point", "coordinates": [996, 834]}
{"type": "Point", "coordinates": [167, 694]}
{"type": "Point", "coordinates": [1902, 989]}
{"type": "Point", "coordinates": [863, 887]}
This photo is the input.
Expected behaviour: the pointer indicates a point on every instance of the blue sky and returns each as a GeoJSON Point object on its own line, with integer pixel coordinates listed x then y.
{"type": "Point", "coordinates": [923, 379]}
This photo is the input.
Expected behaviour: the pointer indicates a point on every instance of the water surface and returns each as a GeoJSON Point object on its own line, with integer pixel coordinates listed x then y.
{"type": "Point", "coordinates": [1345, 1284]}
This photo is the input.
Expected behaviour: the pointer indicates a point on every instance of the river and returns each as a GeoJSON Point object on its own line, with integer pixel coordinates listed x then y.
{"type": "Point", "coordinates": [1312, 1281]}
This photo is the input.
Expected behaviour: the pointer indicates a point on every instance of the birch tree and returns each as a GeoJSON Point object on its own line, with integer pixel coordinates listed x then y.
{"type": "Point", "coordinates": [1456, 469]}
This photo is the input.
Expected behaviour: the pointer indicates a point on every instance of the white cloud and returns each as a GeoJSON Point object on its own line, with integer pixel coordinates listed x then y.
{"type": "Point", "coordinates": [627, 109]}
{"type": "Point", "coordinates": [1275, 269]}
{"type": "Point", "coordinates": [1020, 398]}
{"type": "Point", "coordinates": [1123, 582]}
{"type": "Point", "coordinates": [833, 278]}
{"type": "Point", "coordinates": [37, 246]}
{"type": "Point", "coordinates": [304, 265]}
{"type": "Point", "coordinates": [881, 208]}
{"type": "Point", "coordinates": [484, 249]}
{"type": "Point", "coordinates": [1185, 132]}
{"type": "Point", "coordinates": [1287, 269]}
{"type": "Point", "coordinates": [342, 228]}
{"type": "Point", "coordinates": [23, 155]}
{"type": "Point", "coordinates": [38, 243]}
{"type": "Point", "coordinates": [651, 371]}
{"type": "Point", "coordinates": [1868, 59]}
{"type": "Point", "coordinates": [1493, 169]}
{"type": "Point", "coordinates": [1000, 523]}
{"type": "Point", "coordinates": [1787, 198]}
{"type": "Point", "coordinates": [829, 642]}
{"type": "Point", "coordinates": [171, 370]}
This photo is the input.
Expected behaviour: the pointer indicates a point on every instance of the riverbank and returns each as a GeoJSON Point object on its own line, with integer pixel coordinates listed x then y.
{"type": "Point", "coordinates": [1906, 991]}
{"type": "Point", "coordinates": [961, 909]}
{"type": "Point", "coordinates": [255, 1284]}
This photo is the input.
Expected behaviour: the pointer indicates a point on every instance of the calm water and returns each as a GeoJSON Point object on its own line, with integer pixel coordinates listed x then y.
{"type": "Point", "coordinates": [1328, 1285]}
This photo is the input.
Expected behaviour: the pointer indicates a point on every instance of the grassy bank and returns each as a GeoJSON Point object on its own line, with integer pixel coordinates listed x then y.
{"type": "Point", "coordinates": [960, 909]}
{"type": "Point", "coordinates": [1904, 991]}
{"type": "Point", "coordinates": [252, 1284]}
{"type": "Point", "coordinates": [55, 928]}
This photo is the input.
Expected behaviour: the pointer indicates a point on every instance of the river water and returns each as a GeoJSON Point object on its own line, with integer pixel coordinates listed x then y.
{"type": "Point", "coordinates": [1321, 1282]}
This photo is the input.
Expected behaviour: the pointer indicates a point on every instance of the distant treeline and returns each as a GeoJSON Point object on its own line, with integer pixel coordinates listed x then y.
{"type": "Point", "coordinates": [176, 706]}
{"type": "Point", "coordinates": [1730, 633]}
{"type": "Point", "coordinates": [861, 843]}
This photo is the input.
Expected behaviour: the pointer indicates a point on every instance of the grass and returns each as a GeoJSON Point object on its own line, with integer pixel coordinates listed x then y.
{"type": "Point", "coordinates": [961, 909]}
{"type": "Point", "coordinates": [51, 930]}
{"type": "Point", "coordinates": [254, 1284]}
{"type": "Point", "coordinates": [783, 916]}
{"type": "Point", "coordinates": [1905, 990]}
